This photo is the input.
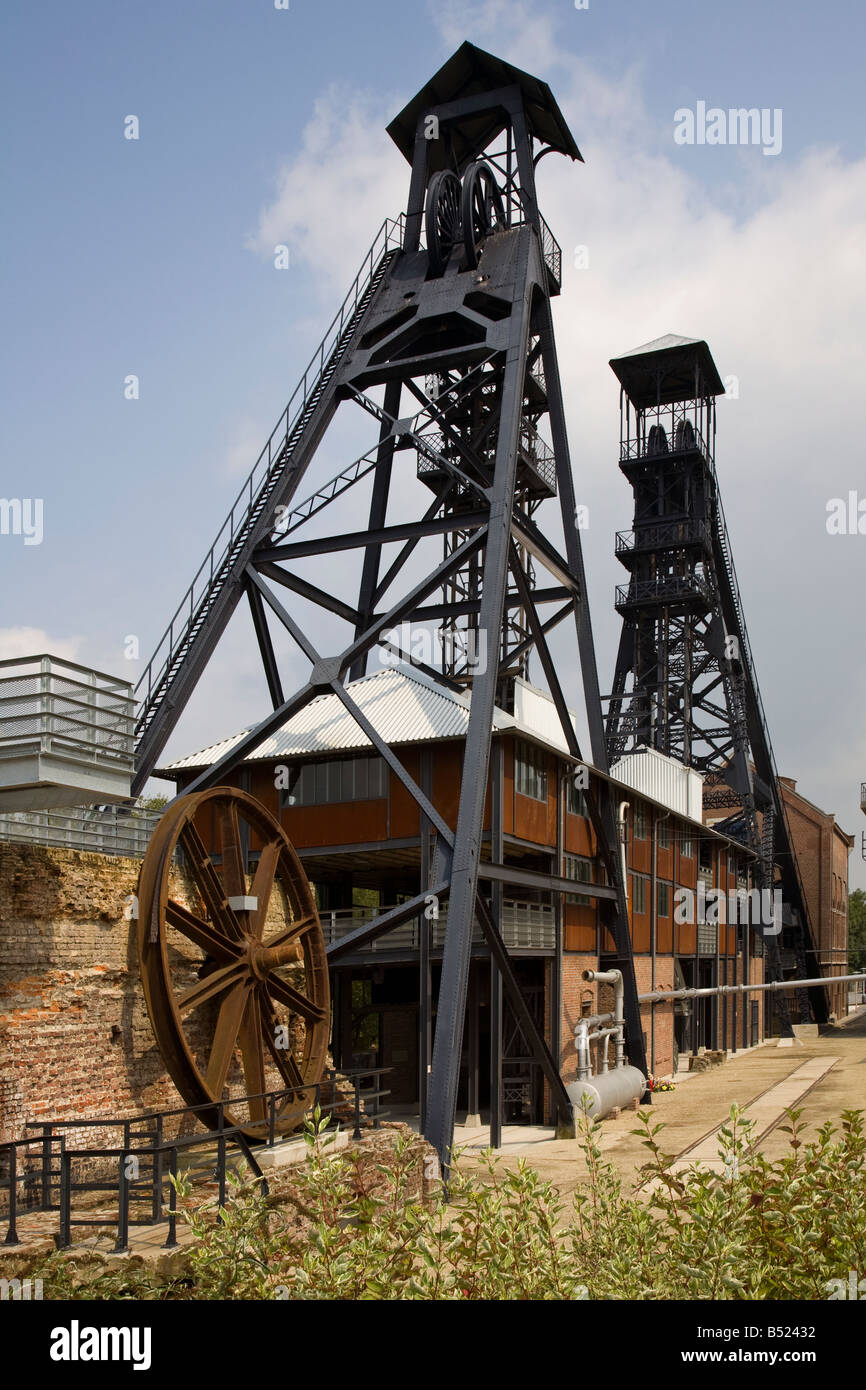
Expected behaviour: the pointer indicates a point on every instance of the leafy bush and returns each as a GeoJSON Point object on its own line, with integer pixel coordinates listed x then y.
{"type": "Point", "coordinates": [758, 1230]}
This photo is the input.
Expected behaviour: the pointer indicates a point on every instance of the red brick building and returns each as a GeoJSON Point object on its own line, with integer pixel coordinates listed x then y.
{"type": "Point", "coordinates": [822, 849]}
{"type": "Point", "coordinates": [365, 846]}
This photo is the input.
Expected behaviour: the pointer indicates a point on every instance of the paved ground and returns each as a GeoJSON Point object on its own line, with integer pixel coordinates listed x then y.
{"type": "Point", "coordinates": [820, 1075]}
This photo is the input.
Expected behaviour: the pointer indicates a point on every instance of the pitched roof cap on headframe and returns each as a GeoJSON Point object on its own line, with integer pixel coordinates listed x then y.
{"type": "Point", "coordinates": [468, 71]}
{"type": "Point", "coordinates": [668, 369]}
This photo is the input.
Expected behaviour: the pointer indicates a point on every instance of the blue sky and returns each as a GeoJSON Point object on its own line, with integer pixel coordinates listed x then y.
{"type": "Point", "coordinates": [152, 257]}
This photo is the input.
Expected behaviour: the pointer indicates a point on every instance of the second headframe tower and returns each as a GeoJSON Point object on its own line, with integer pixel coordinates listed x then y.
{"type": "Point", "coordinates": [685, 681]}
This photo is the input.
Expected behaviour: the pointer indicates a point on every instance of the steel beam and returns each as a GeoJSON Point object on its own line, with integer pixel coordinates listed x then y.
{"type": "Point", "coordinates": [536, 878]}
{"type": "Point", "coordinates": [605, 819]}
{"type": "Point", "coordinates": [266, 646]}
{"type": "Point", "coordinates": [467, 844]}
{"type": "Point", "coordinates": [395, 917]}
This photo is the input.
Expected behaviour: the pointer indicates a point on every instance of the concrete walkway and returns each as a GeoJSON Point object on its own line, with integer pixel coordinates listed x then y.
{"type": "Point", "coordinates": [822, 1075]}
{"type": "Point", "coordinates": [765, 1112]}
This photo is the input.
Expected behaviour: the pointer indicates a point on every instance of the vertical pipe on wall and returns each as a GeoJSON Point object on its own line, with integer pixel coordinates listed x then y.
{"type": "Point", "coordinates": [654, 921]}
{"type": "Point", "coordinates": [558, 929]}
{"type": "Point", "coordinates": [721, 873]}
{"type": "Point", "coordinates": [425, 932]}
{"type": "Point", "coordinates": [497, 804]}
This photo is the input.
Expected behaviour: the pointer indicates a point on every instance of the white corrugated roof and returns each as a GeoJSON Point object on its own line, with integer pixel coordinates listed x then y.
{"type": "Point", "coordinates": [403, 706]}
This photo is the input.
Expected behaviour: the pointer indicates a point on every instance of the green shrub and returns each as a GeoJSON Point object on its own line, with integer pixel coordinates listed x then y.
{"type": "Point", "coordinates": [758, 1230]}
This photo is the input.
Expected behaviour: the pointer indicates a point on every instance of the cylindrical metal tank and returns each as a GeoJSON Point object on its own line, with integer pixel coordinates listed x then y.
{"type": "Point", "coordinates": [608, 1090]}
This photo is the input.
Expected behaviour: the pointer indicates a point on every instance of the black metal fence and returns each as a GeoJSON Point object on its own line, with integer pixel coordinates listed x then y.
{"type": "Point", "coordinates": [38, 1171]}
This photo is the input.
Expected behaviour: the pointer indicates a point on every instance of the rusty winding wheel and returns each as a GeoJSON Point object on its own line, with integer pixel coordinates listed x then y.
{"type": "Point", "coordinates": [236, 984]}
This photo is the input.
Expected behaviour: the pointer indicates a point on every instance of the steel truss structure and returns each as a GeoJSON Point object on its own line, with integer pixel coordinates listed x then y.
{"type": "Point", "coordinates": [685, 681]}
{"type": "Point", "coordinates": [445, 342]}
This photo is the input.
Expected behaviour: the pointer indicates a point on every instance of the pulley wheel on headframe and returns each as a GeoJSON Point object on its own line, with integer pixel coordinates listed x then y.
{"type": "Point", "coordinates": [482, 209]}
{"type": "Point", "coordinates": [442, 218]}
{"type": "Point", "coordinates": [236, 984]}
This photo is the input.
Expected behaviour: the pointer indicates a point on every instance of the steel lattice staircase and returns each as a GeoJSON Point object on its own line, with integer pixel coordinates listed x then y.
{"type": "Point", "coordinates": [268, 482]}
{"type": "Point", "coordinates": [776, 828]}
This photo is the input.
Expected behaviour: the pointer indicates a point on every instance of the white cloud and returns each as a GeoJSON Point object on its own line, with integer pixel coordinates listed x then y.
{"type": "Point", "coordinates": [31, 641]}
{"type": "Point", "coordinates": [332, 197]}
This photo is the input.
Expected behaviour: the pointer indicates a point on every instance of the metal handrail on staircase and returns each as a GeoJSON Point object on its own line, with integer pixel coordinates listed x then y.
{"type": "Point", "coordinates": [749, 665]}
{"type": "Point", "coordinates": [191, 612]}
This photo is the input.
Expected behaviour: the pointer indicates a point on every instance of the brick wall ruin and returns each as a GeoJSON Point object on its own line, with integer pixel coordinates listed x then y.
{"type": "Point", "coordinates": [75, 1039]}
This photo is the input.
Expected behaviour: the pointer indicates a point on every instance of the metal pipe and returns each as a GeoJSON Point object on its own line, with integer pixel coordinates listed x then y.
{"type": "Point", "coordinates": [661, 996]}
{"type": "Point", "coordinates": [622, 821]}
{"type": "Point", "coordinates": [581, 1042]}
{"type": "Point", "coordinates": [600, 1022]}
{"type": "Point", "coordinates": [595, 1020]}
{"type": "Point", "coordinates": [654, 926]}
{"type": "Point", "coordinates": [606, 1034]}
{"type": "Point", "coordinates": [613, 977]}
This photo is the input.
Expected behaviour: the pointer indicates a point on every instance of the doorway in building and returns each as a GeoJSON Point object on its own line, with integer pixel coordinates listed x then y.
{"type": "Point", "coordinates": [684, 1015]}
{"type": "Point", "coordinates": [522, 1077]}
{"type": "Point", "coordinates": [695, 1020]}
{"type": "Point", "coordinates": [376, 1024]}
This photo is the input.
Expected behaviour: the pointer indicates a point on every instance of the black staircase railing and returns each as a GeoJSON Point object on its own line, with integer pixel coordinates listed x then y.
{"type": "Point", "coordinates": [804, 932]}
{"type": "Point", "coordinates": [664, 589]}
{"type": "Point", "coordinates": [156, 679]}
{"type": "Point", "coordinates": [667, 535]}
{"type": "Point", "coordinates": [38, 1172]}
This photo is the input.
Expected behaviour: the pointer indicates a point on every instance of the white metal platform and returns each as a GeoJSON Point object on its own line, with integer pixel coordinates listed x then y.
{"type": "Point", "coordinates": [66, 735]}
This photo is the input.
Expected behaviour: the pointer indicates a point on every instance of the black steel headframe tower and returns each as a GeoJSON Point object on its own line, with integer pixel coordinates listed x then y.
{"type": "Point", "coordinates": [685, 681]}
{"type": "Point", "coordinates": [445, 344]}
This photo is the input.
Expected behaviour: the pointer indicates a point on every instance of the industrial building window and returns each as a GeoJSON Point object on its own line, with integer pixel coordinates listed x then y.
{"type": "Point", "coordinates": [348, 779]}
{"type": "Point", "coordinates": [640, 820]}
{"type": "Point", "coordinates": [531, 771]}
{"type": "Point", "coordinates": [663, 897]}
{"type": "Point", "coordinates": [664, 833]}
{"type": "Point", "coordinates": [638, 893]}
{"type": "Point", "coordinates": [575, 798]}
{"type": "Point", "coordinates": [580, 869]}
{"type": "Point", "coordinates": [687, 848]}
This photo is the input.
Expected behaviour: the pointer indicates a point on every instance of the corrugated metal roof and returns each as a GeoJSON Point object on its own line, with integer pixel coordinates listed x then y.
{"type": "Point", "coordinates": [669, 340]}
{"type": "Point", "coordinates": [663, 778]}
{"type": "Point", "coordinates": [670, 368]}
{"type": "Point", "coordinates": [402, 706]}
{"type": "Point", "coordinates": [469, 71]}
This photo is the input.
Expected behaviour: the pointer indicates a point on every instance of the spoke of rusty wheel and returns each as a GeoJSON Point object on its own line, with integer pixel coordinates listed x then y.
{"type": "Point", "coordinates": [217, 982]}
{"type": "Point", "coordinates": [262, 885]}
{"type": "Point", "coordinates": [233, 876]}
{"type": "Point", "coordinates": [225, 1038]}
{"type": "Point", "coordinates": [253, 1055]}
{"type": "Point", "coordinates": [283, 1058]}
{"type": "Point", "coordinates": [211, 940]}
{"type": "Point", "coordinates": [207, 882]}
{"type": "Point", "coordinates": [289, 935]}
{"type": "Point", "coordinates": [294, 1000]}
